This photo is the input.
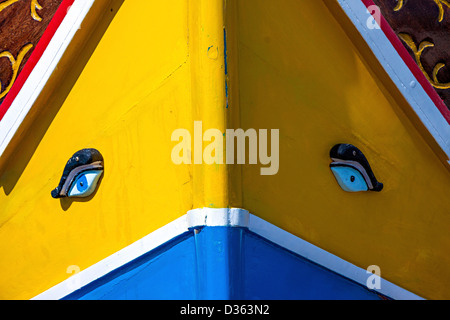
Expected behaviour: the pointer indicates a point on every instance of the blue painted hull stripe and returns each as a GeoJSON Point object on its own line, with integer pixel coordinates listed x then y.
{"type": "Point", "coordinates": [188, 228]}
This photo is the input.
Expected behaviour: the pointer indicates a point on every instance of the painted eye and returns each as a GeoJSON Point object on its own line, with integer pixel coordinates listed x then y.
{"type": "Point", "coordinates": [85, 183]}
{"type": "Point", "coordinates": [80, 175]}
{"type": "Point", "coordinates": [352, 170]}
{"type": "Point", "coordinates": [349, 179]}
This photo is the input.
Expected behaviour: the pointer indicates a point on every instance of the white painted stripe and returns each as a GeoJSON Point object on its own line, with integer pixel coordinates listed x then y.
{"type": "Point", "coordinates": [324, 258]}
{"type": "Point", "coordinates": [227, 218]}
{"type": "Point", "coordinates": [42, 71]}
{"type": "Point", "coordinates": [118, 259]}
{"type": "Point", "coordinates": [400, 74]}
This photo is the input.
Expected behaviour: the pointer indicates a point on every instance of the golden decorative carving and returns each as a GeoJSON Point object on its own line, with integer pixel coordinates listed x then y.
{"type": "Point", "coordinates": [399, 5]}
{"type": "Point", "coordinates": [418, 54]}
{"type": "Point", "coordinates": [440, 4]}
{"type": "Point", "coordinates": [15, 65]}
{"type": "Point", "coordinates": [34, 6]}
{"type": "Point", "coordinates": [6, 4]}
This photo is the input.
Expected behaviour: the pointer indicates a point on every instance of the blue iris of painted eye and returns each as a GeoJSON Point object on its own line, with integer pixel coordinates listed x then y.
{"type": "Point", "coordinates": [85, 183]}
{"type": "Point", "coordinates": [349, 179]}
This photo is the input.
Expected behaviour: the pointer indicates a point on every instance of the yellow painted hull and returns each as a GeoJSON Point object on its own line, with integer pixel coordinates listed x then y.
{"type": "Point", "coordinates": [148, 68]}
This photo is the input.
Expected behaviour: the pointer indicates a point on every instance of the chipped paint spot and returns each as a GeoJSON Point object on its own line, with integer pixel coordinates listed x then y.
{"type": "Point", "coordinates": [213, 52]}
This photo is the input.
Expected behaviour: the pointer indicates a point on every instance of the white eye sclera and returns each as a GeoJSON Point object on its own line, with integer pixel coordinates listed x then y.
{"type": "Point", "coordinates": [85, 183]}
{"type": "Point", "coordinates": [350, 179]}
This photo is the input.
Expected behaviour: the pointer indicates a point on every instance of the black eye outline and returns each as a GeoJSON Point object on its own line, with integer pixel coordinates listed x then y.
{"type": "Point", "coordinates": [350, 156]}
{"type": "Point", "coordinates": [82, 161]}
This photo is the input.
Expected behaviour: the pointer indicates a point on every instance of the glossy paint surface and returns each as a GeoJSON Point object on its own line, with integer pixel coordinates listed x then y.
{"type": "Point", "coordinates": [168, 272]}
{"type": "Point", "coordinates": [123, 94]}
{"type": "Point", "coordinates": [148, 68]}
{"type": "Point", "coordinates": [222, 263]}
{"type": "Point", "coordinates": [304, 70]}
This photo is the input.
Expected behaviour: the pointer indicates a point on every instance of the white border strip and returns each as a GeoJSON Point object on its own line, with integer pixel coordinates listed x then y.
{"type": "Point", "coordinates": [324, 258]}
{"type": "Point", "coordinates": [400, 74]}
{"type": "Point", "coordinates": [227, 218]}
{"type": "Point", "coordinates": [42, 71]}
{"type": "Point", "coordinates": [224, 217]}
{"type": "Point", "coordinates": [118, 259]}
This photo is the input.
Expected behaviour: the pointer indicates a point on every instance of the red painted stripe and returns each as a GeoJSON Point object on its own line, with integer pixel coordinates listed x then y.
{"type": "Point", "coordinates": [412, 65]}
{"type": "Point", "coordinates": [38, 51]}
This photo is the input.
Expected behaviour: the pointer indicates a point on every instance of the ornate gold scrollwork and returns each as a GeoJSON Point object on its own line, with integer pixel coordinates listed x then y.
{"type": "Point", "coordinates": [15, 65]}
{"type": "Point", "coordinates": [34, 6]}
{"type": "Point", "coordinates": [399, 5]}
{"type": "Point", "coordinates": [6, 4]}
{"type": "Point", "coordinates": [418, 54]}
{"type": "Point", "coordinates": [440, 4]}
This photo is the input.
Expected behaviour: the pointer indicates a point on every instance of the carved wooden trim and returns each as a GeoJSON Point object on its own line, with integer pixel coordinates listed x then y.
{"type": "Point", "coordinates": [423, 27]}
{"type": "Point", "coordinates": [41, 64]}
{"type": "Point", "coordinates": [22, 24]}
